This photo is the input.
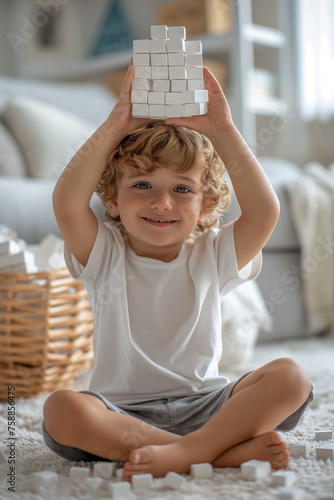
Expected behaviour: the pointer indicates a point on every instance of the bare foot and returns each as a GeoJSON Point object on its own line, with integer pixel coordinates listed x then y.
{"type": "Point", "coordinates": [268, 447]}
{"type": "Point", "coordinates": [158, 460]}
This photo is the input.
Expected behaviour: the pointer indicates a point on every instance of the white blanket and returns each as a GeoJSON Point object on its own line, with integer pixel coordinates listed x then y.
{"type": "Point", "coordinates": [312, 205]}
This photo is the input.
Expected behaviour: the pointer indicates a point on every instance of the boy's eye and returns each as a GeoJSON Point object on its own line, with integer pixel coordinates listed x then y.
{"type": "Point", "coordinates": [182, 189]}
{"type": "Point", "coordinates": [142, 185]}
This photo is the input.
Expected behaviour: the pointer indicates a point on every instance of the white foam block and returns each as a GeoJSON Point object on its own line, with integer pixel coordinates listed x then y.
{"type": "Point", "coordinates": [157, 46]}
{"type": "Point", "coordinates": [297, 450]}
{"type": "Point", "coordinates": [157, 111]}
{"type": "Point", "coordinates": [196, 85]}
{"type": "Point", "coordinates": [195, 73]}
{"type": "Point", "coordinates": [105, 470]}
{"type": "Point", "coordinates": [161, 85]}
{"type": "Point", "coordinates": [290, 494]}
{"type": "Point", "coordinates": [283, 478]}
{"type": "Point", "coordinates": [45, 478]}
{"type": "Point", "coordinates": [143, 72]}
{"type": "Point", "coordinates": [177, 72]}
{"type": "Point", "coordinates": [176, 59]}
{"type": "Point", "coordinates": [176, 45]}
{"type": "Point", "coordinates": [193, 47]}
{"type": "Point", "coordinates": [141, 481]}
{"type": "Point", "coordinates": [139, 96]}
{"type": "Point", "coordinates": [119, 473]}
{"type": "Point", "coordinates": [159, 60]}
{"type": "Point", "coordinates": [194, 60]}
{"type": "Point", "coordinates": [160, 72]}
{"type": "Point", "coordinates": [79, 472]}
{"type": "Point", "coordinates": [174, 111]}
{"type": "Point", "coordinates": [140, 84]}
{"type": "Point", "coordinates": [120, 490]}
{"type": "Point", "coordinates": [179, 85]}
{"type": "Point", "coordinates": [156, 97]}
{"type": "Point", "coordinates": [173, 480]}
{"type": "Point", "coordinates": [324, 452]}
{"type": "Point", "coordinates": [255, 469]}
{"type": "Point", "coordinates": [173, 98]}
{"type": "Point", "coordinates": [191, 96]}
{"type": "Point", "coordinates": [177, 32]}
{"type": "Point", "coordinates": [94, 482]}
{"type": "Point", "coordinates": [140, 110]}
{"type": "Point", "coordinates": [201, 471]}
{"type": "Point", "coordinates": [159, 31]}
{"type": "Point", "coordinates": [141, 59]}
{"type": "Point", "coordinates": [324, 435]}
{"type": "Point", "coordinates": [141, 46]}
{"type": "Point", "coordinates": [196, 109]}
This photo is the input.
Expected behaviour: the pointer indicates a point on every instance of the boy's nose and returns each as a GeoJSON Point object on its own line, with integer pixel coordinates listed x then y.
{"type": "Point", "coordinates": [161, 201]}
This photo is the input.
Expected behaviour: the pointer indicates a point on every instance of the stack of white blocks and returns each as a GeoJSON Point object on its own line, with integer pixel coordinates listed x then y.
{"type": "Point", "coordinates": [168, 81]}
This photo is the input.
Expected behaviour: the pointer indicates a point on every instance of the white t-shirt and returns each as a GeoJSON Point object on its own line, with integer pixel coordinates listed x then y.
{"type": "Point", "coordinates": [157, 325]}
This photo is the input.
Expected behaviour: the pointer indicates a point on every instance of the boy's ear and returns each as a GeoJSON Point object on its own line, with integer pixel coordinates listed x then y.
{"type": "Point", "coordinates": [114, 207]}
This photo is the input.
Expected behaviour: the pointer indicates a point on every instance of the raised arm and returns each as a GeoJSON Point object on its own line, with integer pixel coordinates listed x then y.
{"type": "Point", "coordinates": [75, 187]}
{"type": "Point", "coordinates": [257, 199]}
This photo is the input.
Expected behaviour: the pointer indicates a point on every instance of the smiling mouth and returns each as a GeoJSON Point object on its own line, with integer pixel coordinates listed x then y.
{"type": "Point", "coordinates": [159, 221]}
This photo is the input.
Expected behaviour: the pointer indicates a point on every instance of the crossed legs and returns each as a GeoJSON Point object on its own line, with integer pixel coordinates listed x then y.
{"type": "Point", "coordinates": [241, 430]}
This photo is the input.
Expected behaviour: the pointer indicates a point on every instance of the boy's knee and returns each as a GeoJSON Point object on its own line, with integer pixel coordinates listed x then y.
{"type": "Point", "coordinates": [61, 412]}
{"type": "Point", "coordinates": [293, 378]}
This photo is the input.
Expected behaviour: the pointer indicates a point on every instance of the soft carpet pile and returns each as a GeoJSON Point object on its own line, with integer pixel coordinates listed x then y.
{"type": "Point", "coordinates": [315, 479]}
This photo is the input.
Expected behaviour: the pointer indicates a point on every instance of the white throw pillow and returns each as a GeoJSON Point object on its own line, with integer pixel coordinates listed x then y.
{"type": "Point", "coordinates": [243, 314]}
{"type": "Point", "coordinates": [47, 135]}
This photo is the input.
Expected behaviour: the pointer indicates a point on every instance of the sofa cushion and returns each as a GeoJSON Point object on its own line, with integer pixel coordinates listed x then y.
{"type": "Point", "coordinates": [280, 172]}
{"type": "Point", "coordinates": [47, 135]}
{"type": "Point", "coordinates": [26, 207]}
{"type": "Point", "coordinates": [11, 160]}
{"type": "Point", "coordinates": [89, 101]}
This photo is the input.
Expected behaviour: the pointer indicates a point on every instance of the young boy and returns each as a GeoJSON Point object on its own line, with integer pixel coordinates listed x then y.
{"type": "Point", "coordinates": [156, 399]}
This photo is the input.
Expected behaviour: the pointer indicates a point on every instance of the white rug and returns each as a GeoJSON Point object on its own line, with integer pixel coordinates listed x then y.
{"type": "Point", "coordinates": [315, 478]}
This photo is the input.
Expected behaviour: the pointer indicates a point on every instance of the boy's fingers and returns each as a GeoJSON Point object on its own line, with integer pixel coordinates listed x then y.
{"type": "Point", "coordinates": [211, 80]}
{"type": "Point", "coordinates": [126, 85]}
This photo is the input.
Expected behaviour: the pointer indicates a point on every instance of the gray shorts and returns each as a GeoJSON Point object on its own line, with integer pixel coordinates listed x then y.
{"type": "Point", "coordinates": [180, 415]}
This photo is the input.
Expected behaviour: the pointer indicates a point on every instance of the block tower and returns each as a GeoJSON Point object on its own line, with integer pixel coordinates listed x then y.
{"type": "Point", "coordinates": [168, 81]}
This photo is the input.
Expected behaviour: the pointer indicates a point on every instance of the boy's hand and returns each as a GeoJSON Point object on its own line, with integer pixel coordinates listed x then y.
{"type": "Point", "coordinates": [218, 117]}
{"type": "Point", "coordinates": [121, 118]}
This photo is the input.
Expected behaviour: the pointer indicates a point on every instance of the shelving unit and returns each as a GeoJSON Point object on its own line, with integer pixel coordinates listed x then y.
{"type": "Point", "coordinates": [249, 47]}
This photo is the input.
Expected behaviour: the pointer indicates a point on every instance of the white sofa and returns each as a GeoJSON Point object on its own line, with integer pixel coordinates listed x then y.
{"type": "Point", "coordinates": [42, 126]}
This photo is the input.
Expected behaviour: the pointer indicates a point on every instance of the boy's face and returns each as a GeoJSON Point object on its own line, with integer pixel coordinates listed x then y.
{"type": "Point", "coordinates": [159, 210]}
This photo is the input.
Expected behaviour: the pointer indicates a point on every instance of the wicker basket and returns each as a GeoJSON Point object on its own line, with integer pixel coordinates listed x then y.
{"type": "Point", "coordinates": [46, 332]}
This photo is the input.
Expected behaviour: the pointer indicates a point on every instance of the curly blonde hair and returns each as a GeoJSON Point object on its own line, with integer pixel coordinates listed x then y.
{"type": "Point", "coordinates": [179, 149]}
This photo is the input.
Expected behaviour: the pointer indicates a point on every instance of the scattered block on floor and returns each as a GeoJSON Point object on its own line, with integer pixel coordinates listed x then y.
{"type": "Point", "coordinates": [325, 451]}
{"type": "Point", "coordinates": [290, 494]}
{"type": "Point", "coordinates": [283, 478]}
{"type": "Point", "coordinates": [141, 481]}
{"type": "Point", "coordinates": [120, 490]}
{"type": "Point", "coordinates": [323, 435]}
{"type": "Point", "coordinates": [119, 473]}
{"type": "Point", "coordinates": [79, 472]}
{"type": "Point", "coordinates": [297, 450]}
{"type": "Point", "coordinates": [94, 482]}
{"type": "Point", "coordinates": [173, 480]}
{"type": "Point", "coordinates": [255, 469]}
{"type": "Point", "coordinates": [46, 478]}
{"type": "Point", "coordinates": [201, 471]}
{"type": "Point", "coordinates": [105, 470]}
